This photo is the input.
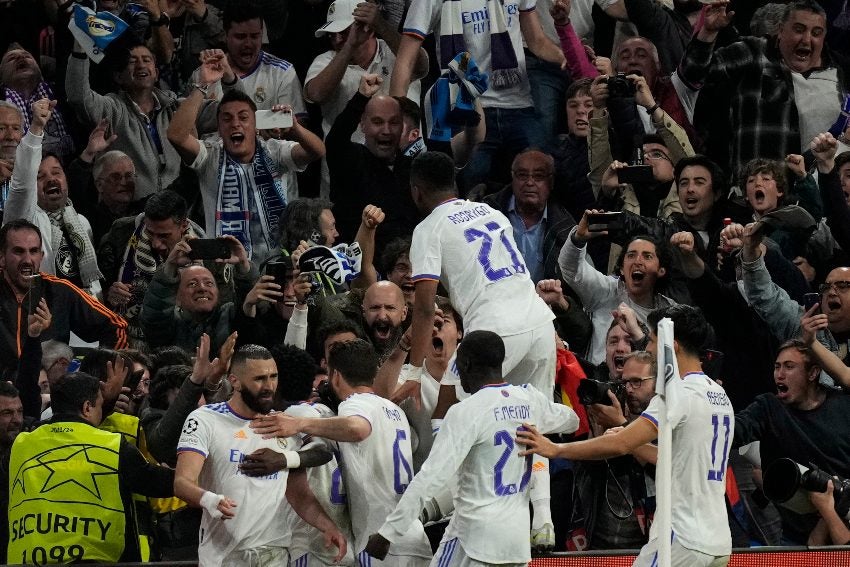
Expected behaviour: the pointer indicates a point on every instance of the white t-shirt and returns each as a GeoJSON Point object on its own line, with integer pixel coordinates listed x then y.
{"type": "Point", "coordinates": [327, 485]}
{"type": "Point", "coordinates": [703, 424]}
{"type": "Point", "coordinates": [272, 81]}
{"type": "Point", "coordinates": [423, 17]}
{"type": "Point", "coordinates": [377, 471]}
{"type": "Point", "coordinates": [470, 248]}
{"type": "Point", "coordinates": [207, 166]}
{"type": "Point", "coordinates": [262, 514]}
{"type": "Point", "coordinates": [477, 445]}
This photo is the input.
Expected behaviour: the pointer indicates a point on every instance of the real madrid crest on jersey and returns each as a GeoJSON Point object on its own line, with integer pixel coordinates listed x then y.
{"type": "Point", "coordinates": [282, 443]}
{"type": "Point", "coordinates": [260, 94]}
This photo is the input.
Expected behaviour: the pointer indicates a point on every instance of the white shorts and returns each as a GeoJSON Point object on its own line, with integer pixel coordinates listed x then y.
{"type": "Point", "coordinates": [366, 560]}
{"type": "Point", "coordinates": [258, 557]}
{"type": "Point", "coordinates": [680, 556]}
{"type": "Point", "coordinates": [451, 554]}
{"type": "Point", "coordinates": [310, 560]}
{"type": "Point", "coordinates": [529, 359]}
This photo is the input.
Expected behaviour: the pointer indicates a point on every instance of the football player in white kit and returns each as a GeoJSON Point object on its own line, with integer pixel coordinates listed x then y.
{"type": "Point", "coordinates": [476, 444]}
{"type": "Point", "coordinates": [375, 453]}
{"type": "Point", "coordinates": [246, 518]}
{"type": "Point", "coordinates": [470, 249]}
{"type": "Point", "coordinates": [703, 427]}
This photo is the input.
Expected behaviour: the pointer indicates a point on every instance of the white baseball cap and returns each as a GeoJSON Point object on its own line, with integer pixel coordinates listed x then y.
{"type": "Point", "coordinates": [340, 17]}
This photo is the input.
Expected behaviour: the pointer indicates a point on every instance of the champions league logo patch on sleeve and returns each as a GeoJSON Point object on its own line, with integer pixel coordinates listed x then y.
{"type": "Point", "coordinates": [95, 31]}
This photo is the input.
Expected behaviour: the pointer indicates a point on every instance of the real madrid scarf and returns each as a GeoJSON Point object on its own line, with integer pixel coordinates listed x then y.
{"type": "Point", "coordinates": [66, 224]}
{"type": "Point", "coordinates": [503, 62]}
{"type": "Point", "coordinates": [233, 208]}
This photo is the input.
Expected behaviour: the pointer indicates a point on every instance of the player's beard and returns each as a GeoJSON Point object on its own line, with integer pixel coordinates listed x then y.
{"type": "Point", "coordinates": [257, 404]}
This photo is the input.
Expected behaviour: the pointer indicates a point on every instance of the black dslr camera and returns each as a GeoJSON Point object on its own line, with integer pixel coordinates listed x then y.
{"type": "Point", "coordinates": [620, 87]}
{"type": "Point", "coordinates": [594, 392]}
{"type": "Point", "coordinates": [785, 478]}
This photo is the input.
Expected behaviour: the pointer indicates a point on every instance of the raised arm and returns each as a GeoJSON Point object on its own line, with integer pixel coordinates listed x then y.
{"type": "Point", "coordinates": [405, 63]}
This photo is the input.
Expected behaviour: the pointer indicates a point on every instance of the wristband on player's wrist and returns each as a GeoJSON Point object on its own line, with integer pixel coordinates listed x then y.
{"type": "Point", "coordinates": [293, 459]}
{"type": "Point", "coordinates": [410, 373]}
{"type": "Point", "coordinates": [210, 502]}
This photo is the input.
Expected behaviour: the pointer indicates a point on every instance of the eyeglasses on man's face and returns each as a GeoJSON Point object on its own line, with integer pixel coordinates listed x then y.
{"type": "Point", "coordinates": [840, 286]}
{"type": "Point", "coordinates": [635, 383]}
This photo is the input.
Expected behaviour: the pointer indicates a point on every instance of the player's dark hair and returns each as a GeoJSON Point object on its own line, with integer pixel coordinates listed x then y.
{"type": "Point", "coordinates": [356, 361]}
{"type": "Point", "coordinates": [718, 179]}
{"type": "Point", "coordinates": [300, 221]}
{"type": "Point", "coordinates": [166, 379]}
{"type": "Point", "coordinates": [166, 204]}
{"type": "Point", "coordinates": [690, 329]}
{"type": "Point", "coordinates": [71, 391]}
{"type": "Point", "coordinates": [249, 352]}
{"type": "Point", "coordinates": [297, 371]}
{"type": "Point", "coordinates": [433, 172]}
{"type": "Point", "coordinates": [17, 224]}
{"type": "Point", "coordinates": [94, 363]}
{"type": "Point", "coordinates": [234, 95]}
{"type": "Point", "coordinates": [238, 11]}
{"type": "Point", "coordinates": [480, 356]}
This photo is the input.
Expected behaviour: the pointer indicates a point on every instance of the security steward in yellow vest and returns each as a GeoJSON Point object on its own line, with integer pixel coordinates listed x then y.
{"type": "Point", "coordinates": [70, 484]}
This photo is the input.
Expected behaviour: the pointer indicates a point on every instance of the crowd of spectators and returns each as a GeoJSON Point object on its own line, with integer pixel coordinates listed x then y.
{"type": "Point", "coordinates": [646, 153]}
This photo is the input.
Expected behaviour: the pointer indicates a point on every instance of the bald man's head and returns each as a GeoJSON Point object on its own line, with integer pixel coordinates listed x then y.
{"type": "Point", "coordinates": [385, 310]}
{"type": "Point", "coordinates": [382, 125]}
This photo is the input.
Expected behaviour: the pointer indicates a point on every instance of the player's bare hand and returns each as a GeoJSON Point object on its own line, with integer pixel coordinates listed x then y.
{"type": "Point", "coordinates": [227, 508]}
{"type": "Point", "coordinates": [378, 546]}
{"type": "Point", "coordinates": [275, 425]}
{"type": "Point", "coordinates": [535, 443]}
{"type": "Point", "coordinates": [334, 538]}
{"type": "Point", "coordinates": [262, 462]}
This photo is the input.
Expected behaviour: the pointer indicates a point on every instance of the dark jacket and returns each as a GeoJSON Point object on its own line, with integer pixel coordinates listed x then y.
{"type": "Point", "coordinates": [572, 188]}
{"type": "Point", "coordinates": [558, 225]}
{"type": "Point", "coordinates": [358, 178]}
{"type": "Point", "coordinates": [72, 310]}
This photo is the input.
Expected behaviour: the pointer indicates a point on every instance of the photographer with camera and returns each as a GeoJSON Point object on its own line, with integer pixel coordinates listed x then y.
{"type": "Point", "coordinates": [804, 421]}
{"type": "Point", "coordinates": [831, 527]}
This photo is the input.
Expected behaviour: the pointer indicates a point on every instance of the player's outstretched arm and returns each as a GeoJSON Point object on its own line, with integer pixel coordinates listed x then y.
{"type": "Point", "coordinates": [636, 434]}
{"type": "Point", "coordinates": [265, 461]}
{"type": "Point", "coordinates": [351, 429]}
{"type": "Point", "coordinates": [303, 501]}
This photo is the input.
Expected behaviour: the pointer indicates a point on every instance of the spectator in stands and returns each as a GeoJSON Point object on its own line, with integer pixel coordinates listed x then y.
{"type": "Point", "coordinates": [11, 132]}
{"type": "Point", "coordinates": [540, 224]}
{"type": "Point", "coordinates": [766, 119]}
{"type": "Point", "coordinates": [22, 253]}
{"type": "Point", "coordinates": [226, 185]}
{"type": "Point", "coordinates": [135, 247]}
{"type": "Point", "coordinates": [643, 262]}
{"type": "Point", "coordinates": [508, 110]}
{"type": "Point", "coordinates": [140, 113]}
{"type": "Point", "coordinates": [571, 186]}
{"type": "Point", "coordinates": [194, 292]}
{"type": "Point", "coordinates": [22, 85]}
{"type": "Point", "coordinates": [362, 43]}
{"type": "Point", "coordinates": [395, 266]}
{"type": "Point", "coordinates": [374, 172]}
{"type": "Point", "coordinates": [40, 195]}
{"type": "Point", "coordinates": [804, 421]}
{"type": "Point", "coordinates": [194, 26]}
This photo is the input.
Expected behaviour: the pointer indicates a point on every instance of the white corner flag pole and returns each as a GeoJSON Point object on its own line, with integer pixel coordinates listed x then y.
{"type": "Point", "coordinates": [668, 369]}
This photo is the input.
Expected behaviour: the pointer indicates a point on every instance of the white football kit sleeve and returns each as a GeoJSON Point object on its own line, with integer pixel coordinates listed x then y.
{"type": "Point", "coordinates": [477, 443]}
{"type": "Point", "coordinates": [262, 514]}
{"type": "Point", "coordinates": [703, 424]}
{"type": "Point", "coordinates": [377, 471]}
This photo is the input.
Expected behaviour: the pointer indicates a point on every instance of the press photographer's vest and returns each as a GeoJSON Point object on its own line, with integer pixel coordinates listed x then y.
{"type": "Point", "coordinates": [64, 499]}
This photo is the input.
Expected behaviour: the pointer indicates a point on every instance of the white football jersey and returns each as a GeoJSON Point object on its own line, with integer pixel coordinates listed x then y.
{"type": "Point", "coordinates": [470, 248]}
{"type": "Point", "coordinates": [327, 485]}
{"type": "Point", "coordinates": [262, 513]}
{"type": "Point", "coordinates": [703, 424]}
{"type": "Point", "coordinates": [477, 445]}
{"type": "Point", "coordinates": [377, 471]}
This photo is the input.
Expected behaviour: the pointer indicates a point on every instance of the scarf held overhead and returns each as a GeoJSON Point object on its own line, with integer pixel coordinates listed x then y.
{"type": "Point", "coordinates": [233, 209]}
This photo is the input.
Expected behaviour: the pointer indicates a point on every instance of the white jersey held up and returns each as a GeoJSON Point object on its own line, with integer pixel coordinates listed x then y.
{"type": "Point", "coordinates": [477, 444]}
{"type": "Point", "coordinates": [703, 424]}
{"type": "Point", "coordinates": [470, 248]}
{"type": "Point", "coordinates": [262, 514]}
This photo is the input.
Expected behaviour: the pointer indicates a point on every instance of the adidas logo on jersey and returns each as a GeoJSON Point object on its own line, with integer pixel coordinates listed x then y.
{"type": "Point", "coordinates": [240, 435]}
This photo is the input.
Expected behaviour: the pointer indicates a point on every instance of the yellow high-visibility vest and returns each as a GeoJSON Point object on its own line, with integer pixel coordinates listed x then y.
{"type": "Point", "coordinates": [64, 499]}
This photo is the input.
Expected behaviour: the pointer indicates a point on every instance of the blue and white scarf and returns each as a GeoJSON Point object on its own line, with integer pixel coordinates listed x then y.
{"type": "Point", "coordinates": [233, 209]}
